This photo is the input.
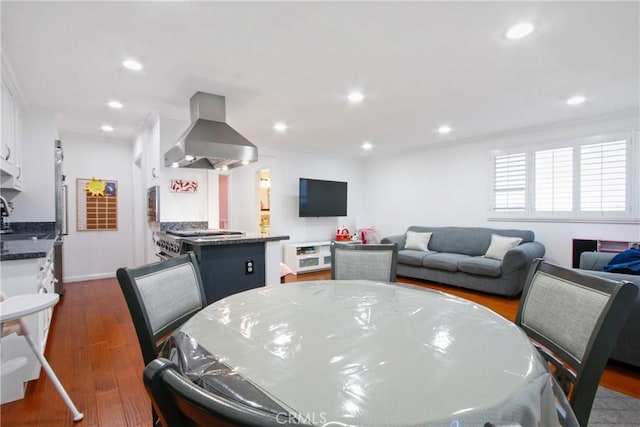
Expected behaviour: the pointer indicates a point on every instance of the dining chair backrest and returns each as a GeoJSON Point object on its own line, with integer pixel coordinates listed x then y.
{"type": "Point", "coordinates": [180, 402]}
{"type": "Point", "coordinates": [161, 296]}
{"type": "Point", "coordinates": [574, 319]}
{"type": "Point", "coordinates": [369, 262]}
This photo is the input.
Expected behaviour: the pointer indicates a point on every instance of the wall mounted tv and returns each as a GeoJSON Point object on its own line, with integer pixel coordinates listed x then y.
{"type": "Point", "coordinates": [322, 198]}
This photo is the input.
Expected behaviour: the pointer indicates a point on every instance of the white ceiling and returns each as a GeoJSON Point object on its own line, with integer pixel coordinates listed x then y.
{"type": "Point", "coordinates": [420, 64]}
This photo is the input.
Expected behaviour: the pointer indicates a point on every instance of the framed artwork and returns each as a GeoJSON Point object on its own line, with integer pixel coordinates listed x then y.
{"type": "Point", "coordinates": [183, 186]}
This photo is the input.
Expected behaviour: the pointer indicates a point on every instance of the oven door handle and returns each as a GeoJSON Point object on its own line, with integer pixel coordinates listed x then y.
{"type": "Point", "coordinates": [163, 256]}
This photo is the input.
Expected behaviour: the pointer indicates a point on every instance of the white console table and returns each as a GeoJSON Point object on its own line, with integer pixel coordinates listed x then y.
{"type": "Point", "coordinates": [305, 257]}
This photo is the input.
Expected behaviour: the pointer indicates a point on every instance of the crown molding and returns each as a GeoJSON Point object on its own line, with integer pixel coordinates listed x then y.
{"type": "Point", "coordinates": [9, 78]}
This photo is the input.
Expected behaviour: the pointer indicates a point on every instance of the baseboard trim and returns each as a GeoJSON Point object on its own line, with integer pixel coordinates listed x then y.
{"type": "Point", "coordinates": [88, 277]}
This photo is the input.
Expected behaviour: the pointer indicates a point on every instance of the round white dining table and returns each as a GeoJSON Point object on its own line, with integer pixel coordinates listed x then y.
{"type": "Point", "coordinates": [362, 353]}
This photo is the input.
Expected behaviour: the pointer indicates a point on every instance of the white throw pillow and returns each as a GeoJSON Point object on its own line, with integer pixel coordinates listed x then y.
{"type": "Point", "coordinates": [417, 241]}
{"type": "Point", "coordinates": [500, 245]}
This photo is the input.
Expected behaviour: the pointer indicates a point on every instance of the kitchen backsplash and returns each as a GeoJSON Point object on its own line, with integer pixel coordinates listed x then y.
{"type": "Point", "coordinates": [33, 227]}
{"type": "Point", "coordinates": [164, 226]}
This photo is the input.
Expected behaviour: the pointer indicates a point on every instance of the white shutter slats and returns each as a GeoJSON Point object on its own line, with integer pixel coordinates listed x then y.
{"type": "Point", "coordinates": [603, 177]}
{"type": "Point", "coordinates": [509, 182]}
{"type": "Point", "coordinates": [587, 179]}
{"type": "Point", "coordinates": [554, 180]}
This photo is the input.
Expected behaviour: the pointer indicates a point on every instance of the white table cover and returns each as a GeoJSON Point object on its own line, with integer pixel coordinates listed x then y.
{"type": "Point", "coordinates": [378, 354]}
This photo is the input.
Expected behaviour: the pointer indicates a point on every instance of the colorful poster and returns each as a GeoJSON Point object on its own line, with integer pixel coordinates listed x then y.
{"type": "Point", "coordinates": [96, 204]}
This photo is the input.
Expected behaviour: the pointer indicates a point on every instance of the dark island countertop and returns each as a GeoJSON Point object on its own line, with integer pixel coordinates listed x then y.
{"type": "Point", "coordinates": [16, 249]}
{"type": "Point", "coordinates": [231, 239]}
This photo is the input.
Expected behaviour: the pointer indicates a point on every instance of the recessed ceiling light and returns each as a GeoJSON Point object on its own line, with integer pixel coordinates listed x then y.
{"type": "Point", "coordinates": [175, 164]}
{"type": "Point", "coordinates": [131, 64]}
{"type": "Point", "coordinates": [444, 129]}
{"type": "Point", "coordinates": [367, 146]}
{"type": "Point", "coordinates": [280, 126]}
{"type": "Point", "coordinates": [107, 128]}
{"type": "Point", "coordinates": [115, 104]}
{"type": "Point", "coordinates": [518, 31]}
{"type": "Point", "coordinates": [576, 100]}
{"type": "Point", "coordinates": [189, 158]}
{"type": "Point", "coordinates": [355, 97]}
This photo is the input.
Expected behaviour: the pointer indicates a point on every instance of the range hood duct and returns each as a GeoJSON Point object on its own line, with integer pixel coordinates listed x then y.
{"type": "Point", "coordinates": [209, 142]}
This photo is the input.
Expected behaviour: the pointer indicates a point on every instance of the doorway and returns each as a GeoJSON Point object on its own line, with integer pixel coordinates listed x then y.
{"type": "Point", "coordinates": [264, 190]}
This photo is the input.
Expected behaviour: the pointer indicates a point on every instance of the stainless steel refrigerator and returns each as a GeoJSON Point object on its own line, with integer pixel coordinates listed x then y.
{"type": "Point", "coordinates": [61, 216]}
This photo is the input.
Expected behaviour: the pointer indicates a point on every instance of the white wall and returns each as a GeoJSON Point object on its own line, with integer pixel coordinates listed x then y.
{"type": "Point", "coordinates": [97, 254]}
{"type": "Point", "coordinates": [451, 186]}
{"type": "Point", "coordinates": [287, 166]}
{"type": "Point", "coordinates": [177, 207]}
{"type": "Point", "coordinates": [36, 203]}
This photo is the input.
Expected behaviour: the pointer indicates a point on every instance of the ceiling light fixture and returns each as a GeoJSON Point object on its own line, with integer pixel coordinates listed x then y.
{"type": "Point", "coordinates": [518, 31]}
{"type": "Point", "coordinates": [115, 104]}
{"type": "Point", "coordinates": [280, 126]}
{"type": "Point", "coordinates": [444, 129]}
{"type": "Point", "coordinates": [175, 165]}
{"type": "Point", "coordinates": [355, 97]}
{"type": "Point", "coordinates": [107, 128]}
{"type": "Point", "coordinates": [131, 64]}
{"type": "Point", "coordinates": [367, 146]}
{"type": "Point", "coordinates": [576, 100]}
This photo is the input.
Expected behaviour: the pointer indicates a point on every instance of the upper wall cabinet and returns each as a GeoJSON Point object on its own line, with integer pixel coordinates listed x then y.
{"type": "Point", "coordinates": [11, 125]}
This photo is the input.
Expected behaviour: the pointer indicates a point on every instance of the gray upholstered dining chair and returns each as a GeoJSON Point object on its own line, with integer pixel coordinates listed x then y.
{"type": "Point", "coordinates": [574, 319]}
{"type": "Point", "coordinates": [161, 296]}
{"type": "Point", "coordinates": [180, 403]}
{"type": "Point", "coordinates": [371, 262]}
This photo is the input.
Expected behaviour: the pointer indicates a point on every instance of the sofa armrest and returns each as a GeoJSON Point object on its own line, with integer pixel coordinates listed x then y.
{"type": "Point", "coordinates": [398, 240]}
{"type": "Point", "coordinates": [521, 256]}
{"type": "Point", "coordinates": [595, 260]}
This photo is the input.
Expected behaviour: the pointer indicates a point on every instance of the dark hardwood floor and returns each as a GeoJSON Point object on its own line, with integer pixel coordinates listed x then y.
{"type": "Point", "coordinates": [93, 348]}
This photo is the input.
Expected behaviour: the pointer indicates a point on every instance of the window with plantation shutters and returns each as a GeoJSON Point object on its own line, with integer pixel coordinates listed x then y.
{"type": "Point", "coordinates": [554, 180]}
{"type": "Point", "coordinates": [509, 183]}
{"type": "Point", "coordinates": [588, 179]}
{"type": "Point", "coordinates": [603, 177]}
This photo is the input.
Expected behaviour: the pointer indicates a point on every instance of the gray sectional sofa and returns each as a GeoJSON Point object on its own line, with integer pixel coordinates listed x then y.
{"type": "Point", "coordinates": [627, 348]}
{"type": "Point", "coordinates": [456, 256]}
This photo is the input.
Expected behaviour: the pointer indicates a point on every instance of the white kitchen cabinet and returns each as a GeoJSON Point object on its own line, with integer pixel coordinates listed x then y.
{"type": "Point", "coordinates": [10, 146]}
{"type": "Point", "coordinates": [24, 277]}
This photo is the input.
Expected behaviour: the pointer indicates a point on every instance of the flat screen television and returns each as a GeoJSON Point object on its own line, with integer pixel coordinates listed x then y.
{"type": "Point", "coordinates": [322, 198]}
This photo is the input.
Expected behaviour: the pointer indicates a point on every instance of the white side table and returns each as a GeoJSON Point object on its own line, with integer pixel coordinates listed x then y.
{"type": "Point", "coordinates": [23, 305]}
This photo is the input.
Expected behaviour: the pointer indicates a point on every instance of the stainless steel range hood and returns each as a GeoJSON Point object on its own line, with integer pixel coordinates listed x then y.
{"type": "Point", "coordinates": [210, 143]}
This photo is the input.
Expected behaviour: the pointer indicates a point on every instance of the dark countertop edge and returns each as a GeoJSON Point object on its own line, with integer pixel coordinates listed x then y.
{"type": "Point", "coordinates": [26, 249]}
{"type": "Point", "coordinates": [22, 255]}
{"type": "Point", "coordinates": [234, 241]}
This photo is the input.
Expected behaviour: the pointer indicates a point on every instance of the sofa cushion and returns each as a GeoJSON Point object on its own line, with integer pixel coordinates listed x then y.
{"type": "Point", "coordinates": [417, 241]}
{"type": "Point", "coordinates": [500, 245]}
{"type": "Point", "coordinates": [473, 241]}
{"type": "Point", "coordinates": [412, 257]}
{"type": "Point", "coordinates": [481, 266]}
{"type": "Point", "coordinates": [447, 262]}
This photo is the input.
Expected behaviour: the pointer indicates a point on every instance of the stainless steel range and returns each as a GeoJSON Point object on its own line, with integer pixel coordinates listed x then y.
{"type": "Point", "coordinates": [170, 243]}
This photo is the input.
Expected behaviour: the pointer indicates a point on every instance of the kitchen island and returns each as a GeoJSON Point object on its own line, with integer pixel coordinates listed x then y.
{"type": "Point", "coordinates": [231, 263]}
